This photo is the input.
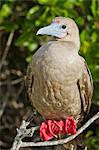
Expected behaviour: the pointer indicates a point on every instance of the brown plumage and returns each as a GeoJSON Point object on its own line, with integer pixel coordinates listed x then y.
{"type": "Point", "coordinates": [59, 83]}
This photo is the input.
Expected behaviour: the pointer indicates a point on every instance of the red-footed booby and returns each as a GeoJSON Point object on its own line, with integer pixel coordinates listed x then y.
{"type": "Point", "coordinates": [59, 83]}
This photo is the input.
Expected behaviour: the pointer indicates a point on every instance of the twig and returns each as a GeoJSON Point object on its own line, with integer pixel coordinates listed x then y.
{"type": "Point", "coordinates": [22, 132]}
{"type": "Point", "coordinates": [18, 140]}
{"type": "Point", "coordinates": [8, 72]}
{"type": "Point", "coordinates": [9, 41]}
{"type": "Point", "coordinates": [3, 143]}
{"type": "Point", "coordinates": [19, 91]}
{"type": "Point", "coordinates": [3, 106]}
{"type": "Point", "coordinates": [13, 82]}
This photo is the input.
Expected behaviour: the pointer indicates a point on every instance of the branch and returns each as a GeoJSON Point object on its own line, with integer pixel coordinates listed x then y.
{"type": "Point", "coordinates": [12, 82]}
{"type": "Point", "coordinates": [19, 143]}
{"type": "Point", "coordinates": [4, 103]}
{"type": "Point", "coordinates": [8, 44]}
{"type": "Point", "coordinates": [4, 74]}
{"type": "Point", "coordinates": [22, 132]}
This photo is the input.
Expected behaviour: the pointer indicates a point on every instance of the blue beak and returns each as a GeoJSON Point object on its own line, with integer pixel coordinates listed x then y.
{"type": "Point", "coordinates": [53, 29]}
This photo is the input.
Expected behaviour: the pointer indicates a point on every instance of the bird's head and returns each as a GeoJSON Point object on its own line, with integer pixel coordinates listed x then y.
{"type": "Point", "coordinates": [62, 29]}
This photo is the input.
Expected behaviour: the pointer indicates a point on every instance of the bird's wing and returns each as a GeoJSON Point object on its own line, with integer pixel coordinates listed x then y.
{"type": "Point", "coordinates": [85, 85]}
{"type": "Point", "coordinates": [29, 79]}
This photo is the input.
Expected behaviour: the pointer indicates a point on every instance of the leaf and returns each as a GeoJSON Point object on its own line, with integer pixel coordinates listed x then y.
{"type": "Point", "coordinates": [89, 133]}
{"type": "Point", "coordinates": [29, 58]}
{"type": "Point", "coordinates": [5, 10]}
{"type": "Point", "coordinates": [93, 7]}
{"type": "Point", "coordinates": [48, 2]}
{"type": "Point", "coordinates": [32, 46]}
{"type": "Point", "coordinates": [80, 21]}
{"type": "Point", "coordinates": [32, 11]}
{"type": "Point", "coordinates": [9, 26]}
{"type": "Point", "coordinates": [84, 35]}
{"type": "Point", "coordinates": [24, 39]}
{"type": "Point", "coordinates": [85, 47]}
{"type": "Point", "coordinates": [94, 37]}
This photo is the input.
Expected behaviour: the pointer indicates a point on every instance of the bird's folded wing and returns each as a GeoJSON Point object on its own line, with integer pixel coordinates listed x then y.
{"type": "Point", "coordinates": [29, 79]}
{"type": "Point", "coordinates": [85, 85]}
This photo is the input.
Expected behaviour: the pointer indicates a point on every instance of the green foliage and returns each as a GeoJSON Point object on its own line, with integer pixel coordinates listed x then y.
{"type": "Point", "coordinates": [92, 141]}
{"type": "Point", "coordinates": [26, 17]}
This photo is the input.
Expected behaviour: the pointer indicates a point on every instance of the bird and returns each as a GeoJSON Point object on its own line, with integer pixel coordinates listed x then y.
{"type": "Point", "coordinates": [58, 80]}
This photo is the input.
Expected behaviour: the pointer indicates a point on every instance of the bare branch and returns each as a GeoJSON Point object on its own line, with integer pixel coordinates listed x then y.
{"type": "Point", "coordinates": [13, 82]}
{"type": "Point", "coordinates": [19, 91]}
{"type": "Point", "coordinates": [9, 41]}
{"type": "Point", "coordinates": [22, 132]}
{"type": "Point", "coordinates": [8, 72]}
{"type": "Point", "coordinates": [3, 107]}
{"type": "Point", "coordinates": [19, 143]}
{"type": "Point", "coordinates": [4, 103]}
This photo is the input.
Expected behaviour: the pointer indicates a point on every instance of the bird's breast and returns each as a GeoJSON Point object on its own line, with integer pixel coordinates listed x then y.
{"type": "Point", "coordinates": [58, 64]}
{"type": "Point", "coordinates": [55, 93]}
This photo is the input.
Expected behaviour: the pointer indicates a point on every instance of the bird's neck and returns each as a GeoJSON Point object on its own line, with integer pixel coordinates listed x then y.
{"type": "Point", "coordinates": [75, 40]}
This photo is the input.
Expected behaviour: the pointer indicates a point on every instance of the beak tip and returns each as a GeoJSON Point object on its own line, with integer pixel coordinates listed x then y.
{"type": "Point", "coordinates": [37, 33]}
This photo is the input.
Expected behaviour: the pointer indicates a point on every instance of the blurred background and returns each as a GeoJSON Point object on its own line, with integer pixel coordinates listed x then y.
{"type": "Point", "coordinates": [19, 22]}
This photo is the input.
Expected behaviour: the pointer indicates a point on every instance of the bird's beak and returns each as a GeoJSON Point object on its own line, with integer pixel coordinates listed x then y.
{"type": "Point", "coordinates": [53, 29]}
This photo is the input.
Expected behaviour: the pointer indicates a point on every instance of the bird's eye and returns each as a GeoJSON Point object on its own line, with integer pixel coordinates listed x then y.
{"type": "Point", "coordinates": [63, 26]}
